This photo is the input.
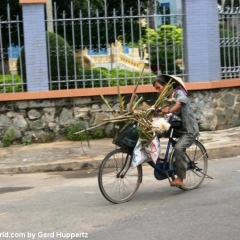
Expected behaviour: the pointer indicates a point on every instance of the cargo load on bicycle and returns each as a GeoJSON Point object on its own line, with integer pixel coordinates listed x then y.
{"type": "Point", "coordinates": [137, 134]}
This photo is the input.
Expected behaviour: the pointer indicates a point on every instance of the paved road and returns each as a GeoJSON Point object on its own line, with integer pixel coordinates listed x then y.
{"type": "Point", "coordinates": [52, 205]}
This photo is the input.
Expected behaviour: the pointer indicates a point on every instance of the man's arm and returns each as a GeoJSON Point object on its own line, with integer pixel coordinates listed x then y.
{"type": "Point", "coordinates": [172, 109]}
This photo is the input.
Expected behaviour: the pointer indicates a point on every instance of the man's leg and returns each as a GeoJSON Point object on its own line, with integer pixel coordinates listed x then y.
{"type": "Point", "coordinates": [180, 160]}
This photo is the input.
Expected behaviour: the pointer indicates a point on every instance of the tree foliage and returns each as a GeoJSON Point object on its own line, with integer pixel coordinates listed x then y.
{"type": "Point", "coordinates": [14, 10]}
{"type": "Point", "coordinates": [10, 10]}
{"type": "Point", "coordinates": [61, 61]}
{"type": "Point", "coordinates": [229, 3]}
{"type": "Point", "coordinates": [162, 45]}
{"type": "Point", "coordinates": [102, 32]}
{"type": "Point", "coordinates": [165, 33]}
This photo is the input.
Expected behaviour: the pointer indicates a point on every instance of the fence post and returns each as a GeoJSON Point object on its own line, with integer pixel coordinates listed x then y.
{"type": "Point", "coordinates": [201, 40]}
{"type": "Point", "coordinates": [35, 44]}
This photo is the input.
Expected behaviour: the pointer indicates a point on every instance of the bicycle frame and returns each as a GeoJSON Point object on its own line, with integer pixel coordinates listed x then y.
{"type": "Point", "coordinates": [117, 186]}
{"type": "Point", "coordinates": [122, 173]}
{"type": "Point", "coordinates": [164, 166]}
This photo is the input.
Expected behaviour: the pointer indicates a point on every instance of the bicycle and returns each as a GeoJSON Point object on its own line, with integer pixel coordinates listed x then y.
{"type": "Point", "coordinates": [119, 181]}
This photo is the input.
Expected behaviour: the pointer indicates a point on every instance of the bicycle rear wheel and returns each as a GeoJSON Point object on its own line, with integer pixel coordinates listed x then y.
{"type": "Point", "coordinates": [117, 179]}
{"type": "Point", "coordinates": [197, 158]}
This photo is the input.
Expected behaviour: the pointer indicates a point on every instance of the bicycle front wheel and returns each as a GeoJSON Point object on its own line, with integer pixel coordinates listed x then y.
{"type": "Point", "coordinates": [117, 179]}
{"type": "Point", "coordinates": [197, 158]}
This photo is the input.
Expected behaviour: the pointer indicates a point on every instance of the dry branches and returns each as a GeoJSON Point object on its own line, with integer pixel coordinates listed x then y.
{"type": "Point", "coordinates": [144, 118]}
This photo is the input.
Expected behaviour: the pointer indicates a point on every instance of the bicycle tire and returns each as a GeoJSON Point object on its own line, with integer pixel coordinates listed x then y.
{"type": "Point", "coordinates": [196, 172]}
{"type": "Point", "coordinates": [118, 181]}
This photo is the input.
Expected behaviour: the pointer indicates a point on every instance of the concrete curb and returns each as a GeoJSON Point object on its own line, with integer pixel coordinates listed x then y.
{"type": "Point", "coordinates": [223, 152]}
{"type": "Point", "coordinates": [52, 167]}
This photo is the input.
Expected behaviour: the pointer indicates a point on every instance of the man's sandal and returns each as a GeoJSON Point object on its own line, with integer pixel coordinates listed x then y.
{"type": "Point", "coordinates": [177, 183]}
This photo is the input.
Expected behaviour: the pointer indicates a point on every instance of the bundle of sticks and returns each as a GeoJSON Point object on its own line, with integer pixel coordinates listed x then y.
{"type": "Point", "coordinates": [147, 129]}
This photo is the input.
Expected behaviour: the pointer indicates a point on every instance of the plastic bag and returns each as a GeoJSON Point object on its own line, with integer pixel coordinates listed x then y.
{"type": "Point", "coordinates": [139, 154]}
{"type": "Point", "coordinates": [144, 152]}
{"type": "Point", "coordinates": [153, 149]}
{"type": "Point", "coordinates": [161, 124]}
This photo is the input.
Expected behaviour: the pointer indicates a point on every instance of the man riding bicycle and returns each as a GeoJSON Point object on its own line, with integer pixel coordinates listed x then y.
{"type": "Point", "coordinates": [190, 128]}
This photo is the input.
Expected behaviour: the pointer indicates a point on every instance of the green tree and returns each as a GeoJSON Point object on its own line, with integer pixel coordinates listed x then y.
{"type": "Point", "coordinates": [101, 35]}
{"type": "Point", "coordinates": [229, 53]}
{"type": "Point", "coordinates": [164, 47]}
{"type": "Point", "coordinates": [15, 10]}
{"type": "Point", "coordinates": [61, 61]}
{"type": "Point", "coordinates": [86, 8]}
{"type": "Point", "coordinates": [10, 10]}
{"type": "Point", "coordinates": [228, 3]}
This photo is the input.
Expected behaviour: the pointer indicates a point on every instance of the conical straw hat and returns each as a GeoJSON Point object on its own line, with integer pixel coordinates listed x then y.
{"type": "Point", "coordinates": [177, 79]}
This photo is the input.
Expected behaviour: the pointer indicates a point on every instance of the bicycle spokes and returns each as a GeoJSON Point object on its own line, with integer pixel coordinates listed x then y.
{"type": "Point", "coordinates": [118, 180]}
{"type": "Point", "coordinates": [196, 156]}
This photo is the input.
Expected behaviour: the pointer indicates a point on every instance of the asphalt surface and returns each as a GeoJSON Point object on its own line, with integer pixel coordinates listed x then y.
{"type": "Point", "coordinates": [69, 155]}
{"type": "Point", "coordinates": [68, 203]}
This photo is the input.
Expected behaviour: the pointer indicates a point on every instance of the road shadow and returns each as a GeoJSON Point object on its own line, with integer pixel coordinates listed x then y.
{"type": "Point", "coordinates": [87, 173]}
{"type": "Point", "coordinates": [13, 189]}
